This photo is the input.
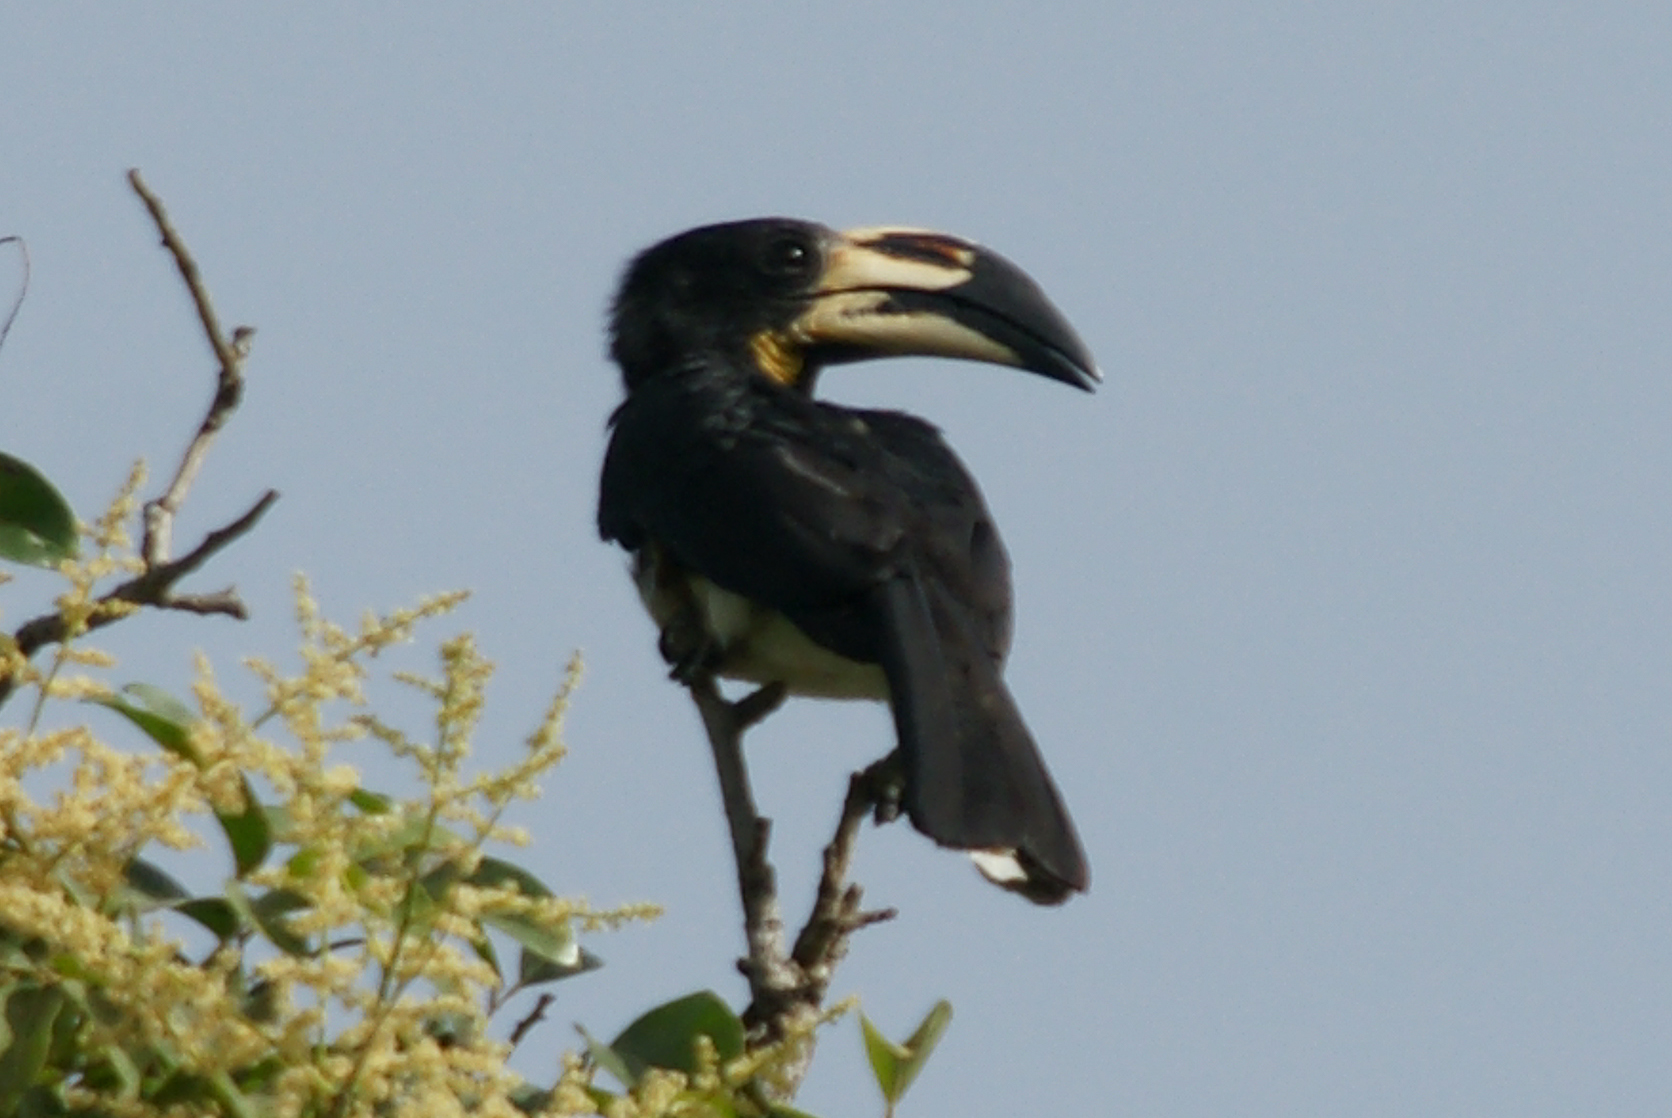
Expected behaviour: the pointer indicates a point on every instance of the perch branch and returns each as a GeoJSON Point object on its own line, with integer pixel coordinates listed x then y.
{"type": "Point", "coordinates": [786, 987]}
{"type": "Point", "coordinates": [767, 966]}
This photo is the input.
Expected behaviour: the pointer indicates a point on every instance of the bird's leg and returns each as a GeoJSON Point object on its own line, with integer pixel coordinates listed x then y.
{"type": "Point", "coordinates": [687, 647]}
{"type": "Point", "coordinates": [684, 642]}
{"type": "Point", "coordinates": [884, 783]}
{"type": "Point", "coordinates": [691, 659]}
{"type": "Point", "coordinates": [757, 704]}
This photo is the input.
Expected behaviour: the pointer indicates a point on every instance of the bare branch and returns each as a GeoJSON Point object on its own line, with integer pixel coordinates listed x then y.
{"type": "Point", "coordinates": [836, 913]}
{"type": "Point", "coordinates": [230, 352]}
{"type": "Point", "coordinates": [786, 988]}
{"type": "Point", "coordinates": [154, 585]}
{"type": "Point", "coordinates": [767, 966]}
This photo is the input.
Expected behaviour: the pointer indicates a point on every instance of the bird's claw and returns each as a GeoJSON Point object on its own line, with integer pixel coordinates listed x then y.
{"type": "Point", "coordinates": [689, 652]}
{"type": "Point", "coordinates": [885, 784]}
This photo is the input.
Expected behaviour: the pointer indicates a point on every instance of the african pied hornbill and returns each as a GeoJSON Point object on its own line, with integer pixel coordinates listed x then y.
{"type": "Point", "coordinates": [842, 553]}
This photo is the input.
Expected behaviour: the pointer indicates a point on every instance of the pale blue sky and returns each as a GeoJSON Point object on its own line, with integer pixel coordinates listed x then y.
{"type": "Point", "coordinates": [1344, 609]}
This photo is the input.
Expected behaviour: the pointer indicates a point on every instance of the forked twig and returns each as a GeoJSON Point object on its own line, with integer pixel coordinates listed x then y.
{"type": "Point", "coordinates": [154, 585]}
{"type": "Point", "coordinates": [786, 987]}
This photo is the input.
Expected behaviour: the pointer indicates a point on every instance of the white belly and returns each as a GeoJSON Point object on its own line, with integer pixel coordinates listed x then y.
{"type": "Point", "coordinates": [757, 645]}
{"type": "Point", "coordinates": [762, 646]}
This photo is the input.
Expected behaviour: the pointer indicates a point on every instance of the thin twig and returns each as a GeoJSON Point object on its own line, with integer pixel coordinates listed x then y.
{"type": "Point", "coordinates": [22, 286]}
{"type": "Point", "coordinates": [836, 913]}
{"type": "Point", "coordinates": [535, 1016]}
{"type": "Point", "coordinates": [230, 352]}
{"type": "Point", "coordinates": [152, 587]}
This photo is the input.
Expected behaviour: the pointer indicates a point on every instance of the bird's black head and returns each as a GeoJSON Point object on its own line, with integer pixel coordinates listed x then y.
{"type": "Point", "coordinates": [784, 298]}
{"type": "Point", "coordinates": [717, 291]}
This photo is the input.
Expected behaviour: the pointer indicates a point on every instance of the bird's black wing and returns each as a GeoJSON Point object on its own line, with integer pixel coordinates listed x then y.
{"type": "Point", "coordinates": [768, 494]}
{"type": "Point", "coordinates": [865, 531]}
{"type": "Point", "coordinates": [956, 543]}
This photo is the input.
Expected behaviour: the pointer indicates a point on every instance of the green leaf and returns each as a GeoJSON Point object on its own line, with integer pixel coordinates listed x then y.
{"type": "Point", "coordinates": [549, 951]}
{"type": "Point", "coordinates": [29, 1014]}
{"type": "Point", "coordinates": [534, 969]}
{"type": "Point", "coordinates": [372, 803]}
{"type": "Point", "coordinates": [260, 1002]}
{"type": "Point", "coordinates": [267, 913]}
{"type": "Point", "coordinates": [233, 1102]}
{"type": "Point", "coordinates": [529, 1099]}
{"type": "Point", "coordinates": [607, 1058]}
{"type": "Point", "coordinates": [440, 881]}
{"type": "Point", "coordinates": [415, 833]}
{"type": "Point", "coordinates": [163, 718]}
{"type": "Point", "coordinates": [69, 1035]}
{"type": "Point", "coordinates": [281, 824]}
{"type": "Point", "coordinates": [37, 525]}
{"type": "Point", "coordinates": [493, 873]}
{"type": "Point", "coordinates": [247, 832]}
{"type": "Point", "coordinates": [884, 1055]}
{"type": "Point", "coordinates": [896, 1065]}
{"type": "Point", "coordinates": [185, 1089]}
{"type": "Point", "coordinates": [147, 887]}
{"type": "Point", "coordinates": [484, 950]}
{"type": "Point", "coordinates": [161, 703]}
{"type": "Point", "coordinates": [112, 1070]}
{"type": "Point", "coordinates": [416, 911]}
{"type": "Point", "coordinates": [666, 1036]}
{"type": "Point", "coordinates": [258, 1076]}
{"type": "Point", "coordinates": [553, 942]}
{"type": "Point", "coordinates": [167, 721]}
{"type": "Point", "coordinates": [928, 1033]}
{"type": "Point", "coordinates": [215, 913]}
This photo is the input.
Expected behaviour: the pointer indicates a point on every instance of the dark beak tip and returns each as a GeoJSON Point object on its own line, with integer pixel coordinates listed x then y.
{"type": "Point", "coordinates": [1081, 373]}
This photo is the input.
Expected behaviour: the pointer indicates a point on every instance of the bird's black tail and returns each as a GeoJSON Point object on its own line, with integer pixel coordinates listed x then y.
{"type": "Point", "coordinates": [974, 778]}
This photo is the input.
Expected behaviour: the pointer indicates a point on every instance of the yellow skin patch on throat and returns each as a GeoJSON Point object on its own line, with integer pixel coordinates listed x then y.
{"type": "Point", "coordinates": [777, 358]}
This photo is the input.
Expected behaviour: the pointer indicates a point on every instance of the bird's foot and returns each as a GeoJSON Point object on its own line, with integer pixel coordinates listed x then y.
{"type": "Point", "coordinates": [885, 785]}
{"type": "Point", "coordinates": [688, 651]}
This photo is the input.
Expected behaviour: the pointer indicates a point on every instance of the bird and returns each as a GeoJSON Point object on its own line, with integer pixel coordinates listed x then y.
{"type": "Point", "coordinates": [838, 552]}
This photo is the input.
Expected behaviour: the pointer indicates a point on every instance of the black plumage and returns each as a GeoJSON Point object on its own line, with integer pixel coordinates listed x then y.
{"type": "Point", "coordinates": [841, 552]}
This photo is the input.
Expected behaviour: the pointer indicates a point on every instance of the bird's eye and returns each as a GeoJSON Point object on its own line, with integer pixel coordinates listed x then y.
{"type": "Point", "coordinates": [789, 256]}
